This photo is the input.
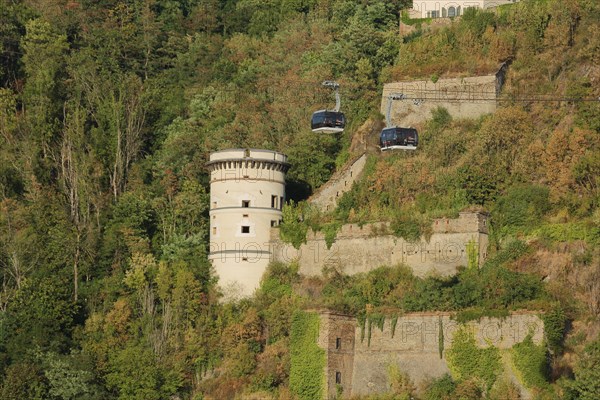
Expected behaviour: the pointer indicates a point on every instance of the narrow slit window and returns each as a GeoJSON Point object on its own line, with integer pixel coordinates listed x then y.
{"type": "Point", "coordinates": [281, 203]}
{"type": "Point", "coordinates": [338, 377]}
{"type": "Point", "coordinates": [338, 343]}
{"type": "Point", "coordinates": [273, 201]}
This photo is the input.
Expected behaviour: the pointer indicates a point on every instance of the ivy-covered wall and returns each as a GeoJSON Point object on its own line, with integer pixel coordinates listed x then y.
{"type": "Point", "coordinates": [467, 360]}
{"type": "Point", "coordinates": [425, 346]}
{"type": "Point", "coordinates": [307, 359]}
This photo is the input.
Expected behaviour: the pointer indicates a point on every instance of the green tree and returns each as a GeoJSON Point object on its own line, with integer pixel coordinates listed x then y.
{"type": "Point", "coordinates": [23, 380]}
{"type": "Point", "coordinates": [587, 372]}
{"type": "Point", "coordinates": [44, 61]}
{"type": "Point", "coordinates": [41, 314]}
{"type": "Point", "coordinates": [136, 374]}
{"type": "Point", "coordinates": [67, 378]}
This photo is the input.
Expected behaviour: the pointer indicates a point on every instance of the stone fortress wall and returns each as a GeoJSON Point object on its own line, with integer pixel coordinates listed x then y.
{"type": "Point", "coordinates": [361, 249]}
{"type": "Point", "coordinates": [361, 366]}
{"type": "Point", "coordinates": [468, 97]}
{"type": "Point", "coordinates": [326, 196]}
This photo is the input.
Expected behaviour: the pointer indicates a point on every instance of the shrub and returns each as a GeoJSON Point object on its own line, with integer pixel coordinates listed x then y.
{"type": "Point", "coordinates": [522, 206]}
{"type": "Point", "coordinates": [410, 227]}
{"type": "Point", "coordinates": [587, 373]}
{"type": "Point", "coordinates": [531, 362]}
{"type": "Point", "coordinates": [479, 185]}
{"type": "Point", "coordinates": [293, 229]}
{"type": "Point", "coordinates": [440, 388]}
{"type": "Point", "coordinates": [430, 293]}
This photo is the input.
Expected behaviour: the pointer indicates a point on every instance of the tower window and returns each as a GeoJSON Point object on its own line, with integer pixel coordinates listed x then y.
{"type": "Point", "coordinates": [281, 203]}
{"type": "Point", "coordinates": [244, 215]}
{"type": "Point", "coordinates": [245, 229]}
{"type": "Point", "coordinates": [245, 203]}
{"type": "Point", "coordinates": [338, 377]}
{"type": "Point", "coordinates": [273, 201]}
{"type": "Point", "coordinates": [338, 343]}
{"type": "Point", "coordinates": [273, 223]}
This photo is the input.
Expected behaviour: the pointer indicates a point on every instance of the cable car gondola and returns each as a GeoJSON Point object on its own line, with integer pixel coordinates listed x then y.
{"type": "Point", "coordinates": [395, 137]}
{"type": "Point", "coordinates": [329, 121]}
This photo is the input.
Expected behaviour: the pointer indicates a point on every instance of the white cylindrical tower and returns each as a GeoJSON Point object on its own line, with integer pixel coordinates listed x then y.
{"type": "Point", "coordinates": [247, 193]}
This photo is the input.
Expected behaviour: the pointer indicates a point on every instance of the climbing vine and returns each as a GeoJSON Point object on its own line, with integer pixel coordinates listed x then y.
{"type": "Point", "coordinates": [472, 255]}
{"type": "Point", "coordinates": [394, 322]}
{"type": "Point", "coordinates": [440, 337]}
{"type": "Point", "coordinates": [307, 359]}
{"type": "Point", "coordinates": [466, 360]}
{"type": "Point", "coordinates": [330, 231]}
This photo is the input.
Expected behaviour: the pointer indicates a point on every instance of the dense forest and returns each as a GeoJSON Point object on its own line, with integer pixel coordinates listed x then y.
{"type": "Point", "coordinates": [109, 109]}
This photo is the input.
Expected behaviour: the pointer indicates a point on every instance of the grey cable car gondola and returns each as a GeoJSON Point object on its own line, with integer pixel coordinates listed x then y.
{"type": "Point", "coordinates": [395, 137]}
{"type": "Point", "coordinates": [329, 121]}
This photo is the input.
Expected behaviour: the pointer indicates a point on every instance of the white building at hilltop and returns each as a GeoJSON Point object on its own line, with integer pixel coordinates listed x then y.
{"type": "Point", "coordinates": [247, 193]}
{"type": "Point", "coordinates": [451, 8]}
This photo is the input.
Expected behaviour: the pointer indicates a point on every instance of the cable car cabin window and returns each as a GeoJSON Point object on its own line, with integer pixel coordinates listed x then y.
{"type": "Point", "coordinates": [399, 138]}
{"type": "Point", "coordinates": [322, 120]}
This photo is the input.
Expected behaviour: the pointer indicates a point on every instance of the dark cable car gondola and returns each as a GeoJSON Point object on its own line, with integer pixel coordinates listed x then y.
{"type": "Point", "coordinates": [329, 121]}
{"type": "Point", "coordinates": [395, 137]}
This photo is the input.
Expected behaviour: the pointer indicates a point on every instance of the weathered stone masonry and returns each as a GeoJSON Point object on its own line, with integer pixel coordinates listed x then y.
{"type": "Point", "coordinates": [327, 196]}
{"type": "Point", "coordinates": [361, 367]}
{"type": "Point", "coordinates": [361, 249]}
{"type": "Point", "coordinates": [468, 97]}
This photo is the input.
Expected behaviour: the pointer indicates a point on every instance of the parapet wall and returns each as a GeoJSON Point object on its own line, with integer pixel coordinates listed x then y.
{"type": "Point", "coordinates": [469, 97]}
{"type": "Point", "coordinates": [361, 249]}
{"type": "Point", "coordinates": [416, 345]}
{"type": "Point", "coordinates": [327, 195]}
